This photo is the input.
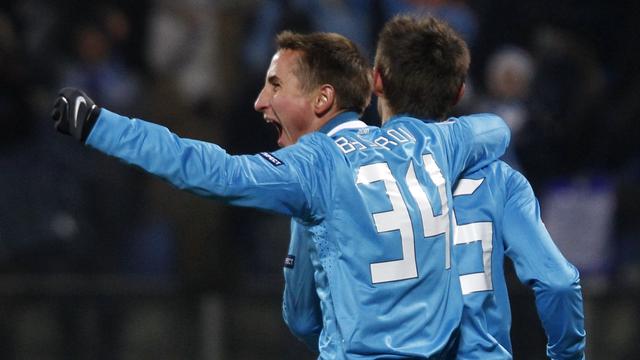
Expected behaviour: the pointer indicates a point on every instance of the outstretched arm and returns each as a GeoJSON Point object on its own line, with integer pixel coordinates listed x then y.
{"type": "Point", "coordinates": [260, 181]}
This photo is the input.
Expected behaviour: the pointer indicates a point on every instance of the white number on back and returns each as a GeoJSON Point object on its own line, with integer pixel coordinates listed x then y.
{"type": "Point", "coordinates": [472, 232]}
{"type": "Point", "coordinates": [399, 218]}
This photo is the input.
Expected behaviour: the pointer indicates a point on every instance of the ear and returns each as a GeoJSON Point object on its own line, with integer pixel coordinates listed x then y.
{"type": "Point", "coordinates": [378, 86]}
{"type": "Point", "coordinates": [460, 94]}
{"type": "Point", "coordinates": [324, 100]}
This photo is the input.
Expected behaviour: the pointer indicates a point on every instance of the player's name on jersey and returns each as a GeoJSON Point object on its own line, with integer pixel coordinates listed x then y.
{"type": "Point", "coordinates": [386, 140]}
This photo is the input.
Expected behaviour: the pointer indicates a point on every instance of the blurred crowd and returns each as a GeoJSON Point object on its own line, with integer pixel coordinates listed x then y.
{"type": "Point", "coordinates": [563, 74]}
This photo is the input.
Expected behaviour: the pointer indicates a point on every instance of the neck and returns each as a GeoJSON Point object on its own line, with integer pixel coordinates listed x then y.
{"type": "Point", "coordinates": [325, 118]}
{"type": "Point", "coordinates": [384, 110]}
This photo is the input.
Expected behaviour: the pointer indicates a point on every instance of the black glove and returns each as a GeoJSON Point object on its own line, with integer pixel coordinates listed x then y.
{"type": "Point", "coordinates": [74, 113]}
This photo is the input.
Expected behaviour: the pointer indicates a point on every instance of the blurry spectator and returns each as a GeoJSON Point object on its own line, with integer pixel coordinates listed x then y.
{"type": "Point", "coordinates": [187, 91]}
{"type": "Point", "coordinates": [620, 136]}
{"type": "Point", "coordinates": [14, 86]}
{"type": "Point", "coordinates": [38, 22]}
{"type": "Point", "coordinates": [55, 215]}
{"type": "Point", "coordinates": [350, 18]}
{"type": "Point", "coordinates": [96, 67]}
{"type": "Point", "coordinates": [125, 24]}
{"type": "Point", "coordinates": [182, 44]}
{"type": "Point", "coordinates": [457, 13]}
{"type": "Point", "coordinates": [566, 105]}
{"type": "Point", "coordinates": [579, 213]}
{"type": "Point", "coordinates": [627, 235]}
{"type": "Point", "coordinates": [36, 223]}
{"type": "Point", "coordinates": [508, 77]}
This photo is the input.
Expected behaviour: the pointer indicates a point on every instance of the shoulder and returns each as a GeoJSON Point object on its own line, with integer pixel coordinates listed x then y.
{"type": "Point", "coordinates": [501, 172]}
{"type": "Point", "coordinates": [457, 127]}
{"type": "Point", "coordinates": [311, 156]}
{"type": "Point", "coordinates": [499, 176]}
{"type": "Point", "coordinates": [312, 147]}
{"type": "Point", "coordinates": [414, 127]}
{"type": "Point", "coordinates": [476, 124]}
{"type": "Point", "coordinates": [316, 153]}
{"type": "Point", "coordinates": [318, 145]}
{"type": "Point", "coordinates": [513, 178]}
{"type": "Point", "coordinates": [516, 184]}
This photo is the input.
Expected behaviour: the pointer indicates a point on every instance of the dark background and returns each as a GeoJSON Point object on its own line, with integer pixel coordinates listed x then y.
{"type": "Point", "coordinates": [101, 261]}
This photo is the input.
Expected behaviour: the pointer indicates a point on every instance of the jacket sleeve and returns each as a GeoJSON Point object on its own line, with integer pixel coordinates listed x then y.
{"type": "Point", "coordinates": [300, 302]}
{"type": "Point", "coordinates": [265, 181]}
{"type": "Point", "coordinates": [540, 265]}
{"type": "Point", "coordinates": [475, 141]}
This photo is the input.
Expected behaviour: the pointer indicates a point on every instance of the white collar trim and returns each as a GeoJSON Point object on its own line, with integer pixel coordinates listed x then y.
{"type": "Point", "coordinates": [353, 124]}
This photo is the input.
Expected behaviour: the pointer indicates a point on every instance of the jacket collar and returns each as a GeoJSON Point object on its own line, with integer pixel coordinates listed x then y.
{"type": "Point", "coordinates": [345, 120]}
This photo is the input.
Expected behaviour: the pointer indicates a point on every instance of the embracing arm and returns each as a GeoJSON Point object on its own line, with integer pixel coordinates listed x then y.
{"type": "Point", "coordinates": [476, 141]}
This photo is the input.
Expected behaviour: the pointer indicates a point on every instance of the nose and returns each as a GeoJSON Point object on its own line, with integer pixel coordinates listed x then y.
{"type": "Point", "coordinates": [262, 102]}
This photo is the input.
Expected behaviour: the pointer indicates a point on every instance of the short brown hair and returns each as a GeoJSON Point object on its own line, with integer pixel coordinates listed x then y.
{"type": "Point", "coordinates": [423, 63]}
{"type": "Point", "coordinates": [329, 58]}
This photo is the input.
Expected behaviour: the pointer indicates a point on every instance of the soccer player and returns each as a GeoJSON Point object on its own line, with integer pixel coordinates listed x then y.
{"type": "Point", "coordinates": [497, 215]}
{"type": "Point", "coordinates": [420, 68]}
{"type": "Point", "coordinates": [374, 204]}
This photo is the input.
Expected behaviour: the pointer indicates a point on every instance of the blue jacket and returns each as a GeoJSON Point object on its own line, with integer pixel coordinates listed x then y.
{"type": "Point", "coordinates": [376, 207]}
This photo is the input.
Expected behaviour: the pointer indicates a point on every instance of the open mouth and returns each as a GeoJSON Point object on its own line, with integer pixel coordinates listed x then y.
{"type": "Point", "coordinates": [278, 128]}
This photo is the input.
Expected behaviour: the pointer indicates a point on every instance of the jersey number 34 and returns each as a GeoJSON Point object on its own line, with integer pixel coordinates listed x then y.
{"type": "Point", "coordinates": [399, 218]}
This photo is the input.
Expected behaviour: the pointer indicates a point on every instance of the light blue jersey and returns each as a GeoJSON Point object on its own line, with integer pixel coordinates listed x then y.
{"type": "Point", "coordinates": [375, 207]}
{"type": "Point", "coordinates": [300, 303]}
{"type": "Point", "coordinates": [497, 214]}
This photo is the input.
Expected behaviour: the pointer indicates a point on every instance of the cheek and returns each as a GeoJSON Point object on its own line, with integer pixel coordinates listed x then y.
{"type": "Point", "coordinates": [292, 111]}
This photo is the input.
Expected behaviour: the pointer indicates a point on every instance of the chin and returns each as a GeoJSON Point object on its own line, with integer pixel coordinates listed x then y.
{"type": "Point", "coordinates": [283, 143]}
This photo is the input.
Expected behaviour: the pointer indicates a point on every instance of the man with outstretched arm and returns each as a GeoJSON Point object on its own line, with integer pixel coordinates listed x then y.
{"type": "Point", "coordinates": [373, 202]}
